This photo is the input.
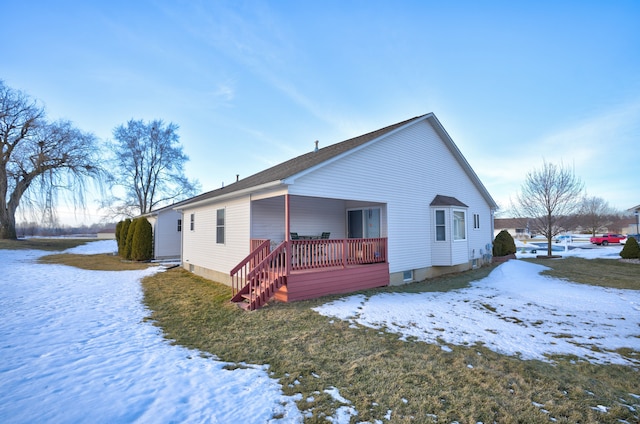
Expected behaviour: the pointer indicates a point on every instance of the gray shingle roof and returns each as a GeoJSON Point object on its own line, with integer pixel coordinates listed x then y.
{"type": "Point", "coordinates": [441, 200]}
{"type": "Point", "coordinates": [304, 162]}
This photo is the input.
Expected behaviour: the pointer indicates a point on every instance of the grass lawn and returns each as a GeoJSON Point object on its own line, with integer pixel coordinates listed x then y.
{"type": "Point", "coordinates": [310, 353]}
{"type": "Point", "coordinates": [377, 372]}
{"type": "Point", "coordinates": [55, 244]}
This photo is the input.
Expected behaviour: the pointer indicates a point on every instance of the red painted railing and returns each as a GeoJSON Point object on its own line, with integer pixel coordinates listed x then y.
{"type": "Point", "coordinates": [313, 254]}
{"type": "Point", "coordinates": [256, 279]}
{"type": "Point", "coordinates": [261, 282]}
{"type": "Point", "coordinates": [259, 251]}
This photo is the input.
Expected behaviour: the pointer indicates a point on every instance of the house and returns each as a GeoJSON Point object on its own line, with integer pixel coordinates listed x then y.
{"type": "Point", "coordinates": [519, 228]}
{"type": "Point", "coordinates": [106, 234]}
{"type": "Point", "coordinates": [166, 224]}
{"type": "Point", "coordinates": [634, 226]}
{"type": "Point", "coordinates": [393, 206]}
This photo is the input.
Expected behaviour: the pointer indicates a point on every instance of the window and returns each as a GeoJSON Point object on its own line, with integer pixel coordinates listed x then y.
{"type": "Point", "coordinates": [179, 225]}
{"type": "Point", "coordinates": [440, 227]}
{"type": "Point", "coordinates": [459, 228]}
{"type": "Point", "coordinates": [407, 275]}
{"type": "Point", "coordinates": [476, 221]}
{"type": "Point", "coordinates": [220, 226]}
{"type": "Point", "coordinates": [193, 221]}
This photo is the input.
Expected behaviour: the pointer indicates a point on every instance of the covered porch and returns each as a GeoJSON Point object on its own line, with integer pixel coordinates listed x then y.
{"type": "Point", "coordinates": [307, 247]}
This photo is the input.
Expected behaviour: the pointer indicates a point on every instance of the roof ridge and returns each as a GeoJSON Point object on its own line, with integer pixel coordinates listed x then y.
{"type": "Point", "coordinates": [301, 162]}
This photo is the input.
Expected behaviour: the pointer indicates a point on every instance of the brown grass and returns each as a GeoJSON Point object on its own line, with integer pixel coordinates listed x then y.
{"type": "Point", "coordinates": [42, 244]}
{"type": "Point", "coordinates": [99, 262]}
{"type": "Point", "coordinates": [613, 273]}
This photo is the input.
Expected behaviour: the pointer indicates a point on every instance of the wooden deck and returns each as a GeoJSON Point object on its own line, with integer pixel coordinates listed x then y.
{"type": "Point", "coordinates": [311, 283]}
{"type": "Point", "coordinates": [306, 269]}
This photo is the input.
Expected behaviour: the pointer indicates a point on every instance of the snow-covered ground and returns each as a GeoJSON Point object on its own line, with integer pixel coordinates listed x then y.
{"type": "Point", "coordinates": [514, 311]}
{"type": "Point", "coordinates": [75, 347]}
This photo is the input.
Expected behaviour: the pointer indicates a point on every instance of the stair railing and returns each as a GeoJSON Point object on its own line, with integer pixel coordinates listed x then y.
{"type": "Point", "coordinates": [239, 274]}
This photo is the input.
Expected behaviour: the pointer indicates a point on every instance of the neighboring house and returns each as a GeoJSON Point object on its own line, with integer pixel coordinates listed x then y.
{"type": "Point", "coordinates": [634, 226]}
{"type": "Point", "coordinates": [167, 232]}
{"type": "Point", "coordinates": [106, 234]}
{"type": "Point", "coordinates": [519, 228]}
{"type": "Point", "coordinates": [396, 205]}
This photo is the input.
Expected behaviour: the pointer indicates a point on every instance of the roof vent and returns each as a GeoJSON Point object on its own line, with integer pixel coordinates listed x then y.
{"type": "Point", "coordinates": [237, 177]}
{"type": "Point", "coordinates": [316, 149]}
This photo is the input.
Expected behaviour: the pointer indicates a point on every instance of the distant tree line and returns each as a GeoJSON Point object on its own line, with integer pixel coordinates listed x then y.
{"type": "Point", "coordinates": [36, 229]}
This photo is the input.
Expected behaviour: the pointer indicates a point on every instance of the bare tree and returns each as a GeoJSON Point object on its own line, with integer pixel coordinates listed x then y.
{"type": "Point", "coordinates": [595, 214]}
{"type": "Point", "coordinates": [549, 196]}
{"type": "Point", "coordinates": [38, 156]}
{"type": "Point", "coordinates": [149, 166]}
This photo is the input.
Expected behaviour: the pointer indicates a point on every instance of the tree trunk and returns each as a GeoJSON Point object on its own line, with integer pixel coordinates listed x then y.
{"type": "Point", "coordinates": [7, 225]}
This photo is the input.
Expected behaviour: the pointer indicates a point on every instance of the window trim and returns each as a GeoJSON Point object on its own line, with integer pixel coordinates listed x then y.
{"type": "Point", "coordinates": [476, 221]}
{"type": "Point", "coordinates": [442, 225]}
{"type": "Point", "coordinates": [192, 224]}
{"type": "Point", "coordinates": [455, 225]}
{"type": "Point", "coordinates": [179, 225]}
{"type": "Point", "coordinates": [220, 227]}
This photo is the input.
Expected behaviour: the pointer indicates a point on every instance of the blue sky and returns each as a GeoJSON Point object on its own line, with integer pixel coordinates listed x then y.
{"type": "Point", "coordinates": [254, 83]}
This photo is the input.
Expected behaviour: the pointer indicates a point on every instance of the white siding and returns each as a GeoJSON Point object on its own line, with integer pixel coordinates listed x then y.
{"type": "Point", "coordinates": [309, 216]}
{"type": "Point", "coordinates": [200, 247]}
{"type": "Point", "coordinates": [406, 170]}
{"type": "Point", "coordinates": [441, 249]}
{"type": "Point", "coordinates": [267, 219]}
{"type": "Point", "coordinates": [166, 237]}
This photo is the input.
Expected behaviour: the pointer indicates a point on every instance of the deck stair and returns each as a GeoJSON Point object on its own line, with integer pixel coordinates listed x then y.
{"type": "Point", "coordinates": [259, 276]}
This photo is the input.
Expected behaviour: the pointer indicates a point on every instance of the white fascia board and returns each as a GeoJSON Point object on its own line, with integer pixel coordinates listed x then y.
{"type": "Point", "coordinates": [233, 194]}
{"type": "Point", "coordinates": [292, 179]}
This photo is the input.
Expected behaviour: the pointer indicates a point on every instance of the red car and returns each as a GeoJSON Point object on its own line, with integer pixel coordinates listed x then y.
{"type": "Point", "coordinates": [605, 239]}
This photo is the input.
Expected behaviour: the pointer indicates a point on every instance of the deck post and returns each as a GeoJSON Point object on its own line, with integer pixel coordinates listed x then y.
{"type": "Point", "coordinates": [287, 234]}
{"type": "Point", "coordinates": [287, 218]}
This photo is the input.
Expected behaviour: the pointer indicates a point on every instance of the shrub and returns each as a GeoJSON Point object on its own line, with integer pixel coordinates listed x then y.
{"type": "Point", "coordinates": [123, 237]}
{"type": "Point", "coordinates": [503, 244]}
{"type": "Point", "coordinates": [129, 240]}
{"type": "Point", "coordinates": [118, 231]}
{"type": "Point", "coordinates": [631, 250]}
{"type": "Point", "coordinates": [142, 244]}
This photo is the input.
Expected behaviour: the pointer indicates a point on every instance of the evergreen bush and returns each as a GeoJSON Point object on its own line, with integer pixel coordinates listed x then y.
{"type": "Point", "coordinates": [118, 231]}
{"type": "Point", "coordinates": [123, 237]}
{"type": "Point", "coordinates": [129, 240]}
{"type": "Point", "coordinates": [142, 245]}
{"type": "Point", "coordinates": [631, 249]}
{"type": "Point", "coordinates": [503, 244]}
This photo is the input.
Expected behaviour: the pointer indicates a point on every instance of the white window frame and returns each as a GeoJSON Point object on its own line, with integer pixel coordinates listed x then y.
{"type": "Point", "coordinates": [443, 225]}
{"type": "Point", "coordinates": [220, 227]}
{"type": "Point", "coordinates": [476, 221]}
{"type": "Point", "coordinates": [459, 224]}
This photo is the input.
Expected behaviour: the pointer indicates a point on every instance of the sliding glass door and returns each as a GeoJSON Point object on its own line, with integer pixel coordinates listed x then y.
{"type": "Point", "coordinates": [363, 223]}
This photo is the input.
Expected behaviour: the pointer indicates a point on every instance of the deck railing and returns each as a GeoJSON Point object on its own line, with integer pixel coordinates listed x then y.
{"type": "Point", "coordinates": [314, 254]}
{"type": "Point", "coordinates": [256, 279]}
